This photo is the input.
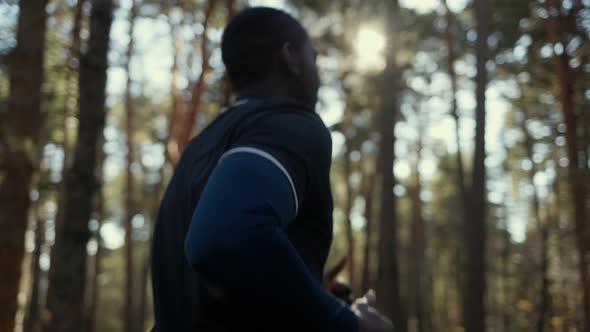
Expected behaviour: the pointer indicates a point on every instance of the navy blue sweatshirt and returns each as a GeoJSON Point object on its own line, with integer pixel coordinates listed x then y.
{"type": "Point", "coordinates": [250, 205]}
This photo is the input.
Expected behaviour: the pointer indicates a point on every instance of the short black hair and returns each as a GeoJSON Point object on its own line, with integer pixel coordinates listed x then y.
{"type": "Point", "coordinates": [253, 39]}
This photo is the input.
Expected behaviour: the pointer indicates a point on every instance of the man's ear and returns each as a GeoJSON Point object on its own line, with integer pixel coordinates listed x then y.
{"type": "Point", "coordinates": [290, 60]}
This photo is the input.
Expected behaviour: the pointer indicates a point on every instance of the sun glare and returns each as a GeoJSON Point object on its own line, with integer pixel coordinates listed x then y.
{"type": "Point", "coordinates": [370, 48]}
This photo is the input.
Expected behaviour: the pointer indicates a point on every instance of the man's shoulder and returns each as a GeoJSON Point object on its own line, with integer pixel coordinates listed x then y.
{"type": "Point", "coordinates": [288, 116]}
{"type": "Point", "coordinates": [288, 126]}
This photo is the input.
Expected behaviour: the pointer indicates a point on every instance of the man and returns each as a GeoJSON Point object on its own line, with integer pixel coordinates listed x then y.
{"type": "Point", "coordinates": [250, 200]}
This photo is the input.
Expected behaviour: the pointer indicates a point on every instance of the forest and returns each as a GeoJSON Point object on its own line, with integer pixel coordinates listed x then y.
{"type": "Point", "coordinates": [460, 164]}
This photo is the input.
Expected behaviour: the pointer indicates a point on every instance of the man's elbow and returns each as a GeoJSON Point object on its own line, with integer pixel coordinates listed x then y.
{"type": "Point", "coordinates": [204, 249]}
{"type": "Point", "coordinates": [200, 252]}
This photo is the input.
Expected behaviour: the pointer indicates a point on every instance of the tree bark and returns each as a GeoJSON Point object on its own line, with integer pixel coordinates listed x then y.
{"type": "Point", "coordinates": [71, 100]}
{"type": "Point", "coordinates": [416, 258]}
{"type": "Point", "coordinates": [199, 86]}
{"type": "Point", "coordinates": [97, 268]}
{"type": "Point", "coordinates": [507, 300]}
{"type": "Point", "coordinates": [369, 182]}
{"type": "Point", "coordinates": [460, 175]}
{"type": "Point", "coordinates": [170, 154]}
{"type": "Point", "coordinates": [142, 306]}
{"type": "Point", "coordinates": [67, 279]}
{"type": "Point", "coordinates": [451, 57]}
{"type": "Point", "coordinates": [128, 317]}
{"type": "Point", "coordinates": [543, 234]}
{"type": "Point", "coordinates": [577, 173]}
{"type": "Point", "coordinates": [72, 65]}
{"type": "Point", "coordinates": [504, 276]}
{"type": "Point", "coordinates": [544, 309]}
{"type": "Point", "coordinates": [475, 225]}
{"type": "Point", "coordinates": [31, 321]}
{"type": "Point", "coordinates": [231, 10]}
{"type": "Point", "coordinates": [389, 301]}
{"type": "Point", "coordinates": [543, 230]}
{"type": "Point", "coordinates": [21, 137]}
{"type": "Point", "coordinates": [227, 88]}
{"type": "Point", "coordinates": [463, 190]}
{"type": "Point", "coordinates": [347, 212]}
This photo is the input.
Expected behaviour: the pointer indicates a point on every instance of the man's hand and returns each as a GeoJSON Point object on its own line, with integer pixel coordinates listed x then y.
{"type": "Point", "coordinates": [370, 320]}
{"type": "Point", "coordinates": [339, 289]}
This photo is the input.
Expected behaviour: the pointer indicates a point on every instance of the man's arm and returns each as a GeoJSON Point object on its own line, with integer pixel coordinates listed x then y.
{"type": "Point", "coordinates": [237, 240]}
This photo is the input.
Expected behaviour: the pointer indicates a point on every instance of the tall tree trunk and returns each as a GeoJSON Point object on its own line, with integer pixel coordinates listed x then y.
{"type": "Point", "coordinates": [475, 225]}
{"type": "Point", "coordinates": [231, 10]}
{"type": "Point", "coordinates": [97, 268]}
{"type": "Point", "coordinates": [578, 179]}
{"type": "Point", "coordinates": [227, 88]}
{"type": "Point", "coordinates": [347, 212]}
{"type": "Point", "coordinates": [507, 301]}
{"type": "Point", "coordinates": [128, 316]}
{"type": "Point", "coordinates": [71, 99]}
{"type": "Point", "coordinates": [416, 257]}
{"type": "Point", "coordinates": [142, 306]}
{"type": "Point", "coordinates": [170, 154]}
{"type": "Point", "coordinates": [543, 232]}
{"type": "Point", "coordinates": [389, 302]}
{"type": "Point", "coordinates": [580, 75]}
{"type": "Point", "coordinates": [543, 304]}
{"type": "Point", "coordinates": [460, 176]}
{"type": "Point", "coordinates": [504, 276]}
{"type": "Point", "coordinates": [369, 182]}
{"type": "Point", "coordinates": [21, 135]}
{"type": "Point", "coordinates": [451, 57]}
{"type": "Point", "coordinates": [67, 279]}
{"type": "Point", "coordinates": [544, 309]}
{"type": "Point", "coordinates": [71, 102]}
{"type": "Point", "coordinates": [199, 86]}
{"type": "Point", "coordinates": [31, 321]}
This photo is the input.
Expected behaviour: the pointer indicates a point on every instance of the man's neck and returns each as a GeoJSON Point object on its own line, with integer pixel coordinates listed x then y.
{"type": "Point", "coordinates": [267, 89]}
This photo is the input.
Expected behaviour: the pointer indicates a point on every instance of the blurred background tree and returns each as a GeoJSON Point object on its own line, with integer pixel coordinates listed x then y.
{"type": "Point", "coordinates": [461, 160]}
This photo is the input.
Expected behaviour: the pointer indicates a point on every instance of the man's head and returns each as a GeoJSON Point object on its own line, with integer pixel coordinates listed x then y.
{"type": "Point", "coordinates": [266, 50]}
